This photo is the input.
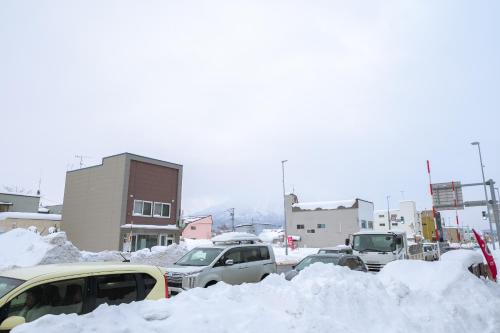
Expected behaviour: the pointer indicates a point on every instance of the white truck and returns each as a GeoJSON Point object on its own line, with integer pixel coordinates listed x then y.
{"type": "Point", "coordinates": [377, 248]}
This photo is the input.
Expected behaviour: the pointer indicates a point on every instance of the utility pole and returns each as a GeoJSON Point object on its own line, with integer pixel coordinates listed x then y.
{"type": "Point", "coordinates": [476, 143]}
{"type": "Point", "coordinates": [388, 212]}
{"type": "Point", "coordinates": [231, 213]}
{"type": "Point", "coordinates": [284, 205]}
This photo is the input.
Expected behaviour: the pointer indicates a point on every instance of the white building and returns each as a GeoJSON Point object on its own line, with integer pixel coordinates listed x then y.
{"type": "Point", "coordinates": [406, 218]}
{"type": "Point", "coordinates": [327, 223]}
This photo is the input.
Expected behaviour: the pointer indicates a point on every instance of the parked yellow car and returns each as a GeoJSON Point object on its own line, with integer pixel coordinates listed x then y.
{"type": "Point", "coordinates": [29, 293]}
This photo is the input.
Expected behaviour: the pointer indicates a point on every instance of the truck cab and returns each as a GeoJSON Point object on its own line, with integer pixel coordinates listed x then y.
{"type": "Point", "coordinates": [377, 248]}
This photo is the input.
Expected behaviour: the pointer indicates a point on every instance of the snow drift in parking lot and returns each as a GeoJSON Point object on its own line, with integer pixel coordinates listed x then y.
{"type": "Point", "coordinates": [159, 255]}
{"type": "Point", "coordinates": [23, 248]}
{"type": "Point", "coordinates": [407, 296]}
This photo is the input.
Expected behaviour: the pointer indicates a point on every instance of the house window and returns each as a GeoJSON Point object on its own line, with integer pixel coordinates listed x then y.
{"type": "Point", "coordinates": [395, 224]}
{"type": "Point", "coordinates": [370, 224]}
{"type": "Point", "coordinates": [382, 224]}
{"type": "Point", "coordinates": [363, 224]}
{"type": "Point", "coordinates": [162, 210]}
{"type": "Point", "coordinates": [142, 208]}
{"type": "Point", "coordinates": [381, 216]}
{"type": "Point", "coordinates": [311, 231]}
{"type": "Point", "coordinates": [321, 226]}
{"type": "Point", "coordinates": [193, 227]}
{"type": "Point", "coordinates": [300, 226]}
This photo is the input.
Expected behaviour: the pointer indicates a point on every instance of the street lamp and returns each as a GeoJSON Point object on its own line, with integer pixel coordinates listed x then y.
{"type": "Point", "coordinates": [476, 143]}
{"type": "Point", "coordinates": [284, 205]}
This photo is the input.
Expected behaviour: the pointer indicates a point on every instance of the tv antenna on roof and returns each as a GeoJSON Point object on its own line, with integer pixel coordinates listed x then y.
{"type": "Point", "coordinates": [81, 157]}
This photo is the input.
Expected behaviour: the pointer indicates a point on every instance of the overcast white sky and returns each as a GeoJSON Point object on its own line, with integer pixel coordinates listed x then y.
{"type": "Point", "coordinates": [355, 94]}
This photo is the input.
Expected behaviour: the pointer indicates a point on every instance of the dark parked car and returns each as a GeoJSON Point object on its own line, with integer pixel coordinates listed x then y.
{"type": "Point", "coordinates": [353, 262]}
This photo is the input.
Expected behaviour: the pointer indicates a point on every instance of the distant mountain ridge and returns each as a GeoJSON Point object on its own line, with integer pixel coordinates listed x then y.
{"type": "Point", "coordinates": [221, 216]}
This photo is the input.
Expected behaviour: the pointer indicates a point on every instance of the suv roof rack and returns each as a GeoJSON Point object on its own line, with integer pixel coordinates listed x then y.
{"type": "Point", "coordinates": [229, 238]}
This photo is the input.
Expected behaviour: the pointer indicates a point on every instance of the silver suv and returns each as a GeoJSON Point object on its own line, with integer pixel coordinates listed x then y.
{"type": "Point", "coordinates": [232, 262]}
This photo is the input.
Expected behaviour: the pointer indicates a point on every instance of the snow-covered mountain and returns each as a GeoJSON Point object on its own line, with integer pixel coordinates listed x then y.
{"type": "Point", "coordinates": [221, 215]}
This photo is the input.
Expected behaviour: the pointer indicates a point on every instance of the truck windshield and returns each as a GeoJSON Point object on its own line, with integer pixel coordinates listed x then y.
{"type": "Point", "coordinates": [199, 257]}
{"type": "Point", "coordinates": [8, 284]}
{"type": "Point", "coordinates": [374, 243]}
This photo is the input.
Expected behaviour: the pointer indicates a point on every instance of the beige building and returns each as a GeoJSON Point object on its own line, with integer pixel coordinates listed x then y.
{"type": "Point", "coordinates": [328, 223]}
{"type": "Point", "coordinates": [128, 202]}
{"type": "Point", "coordinates": [43, 223]}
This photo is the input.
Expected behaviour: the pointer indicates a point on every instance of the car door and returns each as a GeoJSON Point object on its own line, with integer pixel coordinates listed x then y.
{"type": "Point", "coordinates": [235, 273]}
{"type": "Point", "coordinates": [253, 264]}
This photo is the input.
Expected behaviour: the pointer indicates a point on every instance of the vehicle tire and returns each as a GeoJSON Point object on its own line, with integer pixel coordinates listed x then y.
{"type": "Point", "coordinates": [211, 283]}
{"type": "Point", "coordinates": [264, 276]}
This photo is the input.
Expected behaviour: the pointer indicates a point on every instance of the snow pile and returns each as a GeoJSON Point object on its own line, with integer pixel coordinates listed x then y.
{"type": "Point", "coordinates": [104, 256]}
{"type": "Point", "coordinates": [465, 257]}
{"type": "Point", "coordinates": [294, 256]}
{"type": "Point", "coordinates": [159, 255]}
{"type": "Point", "coordinates": [322, 298]}
{"type": "Point", "coordinates": [61, 250]}
{"type": "Point", "coordinates": [271, 235]}
{"type": "Point", "coordinates": [22, 248]}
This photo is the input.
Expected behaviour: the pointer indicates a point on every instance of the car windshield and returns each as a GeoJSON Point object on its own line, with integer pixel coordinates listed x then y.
{"type": "Point", "coordinates": [374, 243]}
{"type": "Point", "coordinates": [199, 257]}
{"type": "Point", "coordinates": [8, 284]}
{"type": "Point", "coordinates": [311, 260]}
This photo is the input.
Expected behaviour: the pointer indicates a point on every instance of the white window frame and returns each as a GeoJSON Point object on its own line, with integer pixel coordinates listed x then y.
{"type": "Point", "coordinates": [142, 210]}
{"type": "Point", "coordinates": [162, 203]}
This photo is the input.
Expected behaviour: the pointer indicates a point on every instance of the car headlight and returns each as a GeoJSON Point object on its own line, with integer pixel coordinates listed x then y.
{"type": "Point", "coordinates": [189, 281]}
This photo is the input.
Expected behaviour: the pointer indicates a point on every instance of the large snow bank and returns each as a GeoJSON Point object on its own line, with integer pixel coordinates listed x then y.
{"type": "Point", "coordinates": [322, 298]}
{"type": "Point", "coordinates": [269, 235]}
{"type": "Point", "coordinates": [23, 248]}
{"type": "Point", "coordinates": [159, 255]}
{"type": "Point", "coordinates": [465, 257]}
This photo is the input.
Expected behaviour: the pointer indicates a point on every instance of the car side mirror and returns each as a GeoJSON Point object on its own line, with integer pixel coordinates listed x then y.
{"type": "Point", "coordinates": [12, 322]}
{"type": "Point", "coordinates": [399, 241]}
{"type": "Point", "coordinates": [347, 241]}
{"type": "Point", "coordinates": [229, 262]}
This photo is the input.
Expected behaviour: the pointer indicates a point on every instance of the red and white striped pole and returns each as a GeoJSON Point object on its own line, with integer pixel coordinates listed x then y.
{"type": "Point", "coordinates": [456, 209]}
{"type": "Point", "coordinates": [431, 192]}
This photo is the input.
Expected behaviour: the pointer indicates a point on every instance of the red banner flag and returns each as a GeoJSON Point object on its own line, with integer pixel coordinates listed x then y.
{"type": "Point", "coordinates": [487, 255]}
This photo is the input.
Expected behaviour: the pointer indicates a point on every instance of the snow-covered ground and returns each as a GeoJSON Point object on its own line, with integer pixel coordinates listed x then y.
{"type": "Point", "coordinates": [407, 296]}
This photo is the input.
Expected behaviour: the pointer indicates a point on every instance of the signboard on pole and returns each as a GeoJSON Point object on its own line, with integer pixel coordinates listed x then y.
{"type": "Point", "coordinates": [447, 196]}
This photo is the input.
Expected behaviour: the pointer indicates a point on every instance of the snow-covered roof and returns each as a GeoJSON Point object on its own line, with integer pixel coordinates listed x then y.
{"type": "Point", "coordinates": [43, 210]}
{"type": "Point", "coordinates": [149, 226]}
{"type": "Point", "coordinates": [29, 216]}
{"type": "Point", "coordinates": [325, 204]}
{"type": "Point", "coordinates": [191, 219]}
{"type": "Point", "coordinates": [5, 203]}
